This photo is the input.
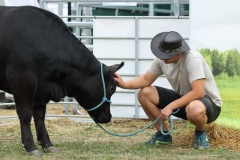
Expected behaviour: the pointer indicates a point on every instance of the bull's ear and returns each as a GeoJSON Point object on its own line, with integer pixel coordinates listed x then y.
{"type": "Point", "coordinates": [116, 67]}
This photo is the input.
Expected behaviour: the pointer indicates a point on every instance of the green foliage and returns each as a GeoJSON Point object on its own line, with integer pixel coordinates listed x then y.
{"type": "Point", "coordinates": [222, 62]}
{"type": "Point", "coordinates": [236, 60]}
{"type": "Point", "coordinates": [230, 65]}
{"type": "Point", "coordinates": [217, 62]}
{"type": "Point", "coordinates": [206, 52]}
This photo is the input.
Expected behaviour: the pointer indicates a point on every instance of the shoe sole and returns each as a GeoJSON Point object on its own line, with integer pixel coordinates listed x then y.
{"type": "Point", "coordinates": [162, 143]}
{"type": "Point", "coordinates": [203, 148]}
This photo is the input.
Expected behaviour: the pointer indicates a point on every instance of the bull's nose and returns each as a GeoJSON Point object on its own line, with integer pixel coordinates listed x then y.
{"type": "Point", "coordinates": [103, 119]}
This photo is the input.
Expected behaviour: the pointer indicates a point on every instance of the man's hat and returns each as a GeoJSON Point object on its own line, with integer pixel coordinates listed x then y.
{"type": "Point", "coordinates": [166, 45]}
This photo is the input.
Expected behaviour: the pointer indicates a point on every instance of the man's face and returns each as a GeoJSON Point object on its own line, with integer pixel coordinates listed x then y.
{"type": "Point", "coordinates": [173, 59]}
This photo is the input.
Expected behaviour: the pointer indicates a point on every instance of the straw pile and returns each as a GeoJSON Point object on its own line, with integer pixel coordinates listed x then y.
{"type": "Point", "coordinates": [222, 136]}
{"type": "Point", "coordinates": [219, 136]}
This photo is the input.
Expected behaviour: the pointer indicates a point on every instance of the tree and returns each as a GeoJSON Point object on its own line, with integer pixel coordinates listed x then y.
{"type": "Point", "coordinates": [236, 61]}
{"type": "Point", "coordinates": [217, 62]}
{"type": "Point", "coordinates": [230, 65]}
{"type": "Point", "coordinates": [233, 63]}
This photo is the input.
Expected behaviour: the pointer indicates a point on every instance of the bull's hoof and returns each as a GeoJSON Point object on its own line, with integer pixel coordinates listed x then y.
{"type": "Point", "coordinates": [36, 153]}
{"type": "Point", "coordinates": [51, 149]}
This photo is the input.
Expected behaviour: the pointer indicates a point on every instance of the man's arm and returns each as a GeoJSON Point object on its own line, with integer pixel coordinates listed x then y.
{"type": "Point", "coordinates": [139, 82]}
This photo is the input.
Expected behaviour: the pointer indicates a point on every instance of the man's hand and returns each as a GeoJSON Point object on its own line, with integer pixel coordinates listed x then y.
{"type": "Point", "coordinates": [119, 81]}
{"type": "Point", "coordinates": [166, 112]}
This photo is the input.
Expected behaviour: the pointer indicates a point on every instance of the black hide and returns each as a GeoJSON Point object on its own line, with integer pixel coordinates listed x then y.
{"type": "Point", "coordinates": [41, 60]}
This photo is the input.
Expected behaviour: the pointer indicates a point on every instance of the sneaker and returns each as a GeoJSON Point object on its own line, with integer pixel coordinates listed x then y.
{"type": "Point", "coordinates": [201, 141]}
{"type": "Point", "coordinates": [159, 139]}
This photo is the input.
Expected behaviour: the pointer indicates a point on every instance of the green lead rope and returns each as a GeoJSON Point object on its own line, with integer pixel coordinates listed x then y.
{"type": "Point", "coordinates": [144, 128]}
{"type": "Point", "coordinates": [130, 134]}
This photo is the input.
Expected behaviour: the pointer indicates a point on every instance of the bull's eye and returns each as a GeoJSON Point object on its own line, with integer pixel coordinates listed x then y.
{"type": "Point", "coordinates": [112, 87]}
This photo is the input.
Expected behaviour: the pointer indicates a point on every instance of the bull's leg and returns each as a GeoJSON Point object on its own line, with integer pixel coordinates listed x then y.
{"type": "Point", "coordinates": [42, 134]}
{"type": "Point", "coordinates": [23, 86]}
{"type": "Point", "coordinates": [25, 115]}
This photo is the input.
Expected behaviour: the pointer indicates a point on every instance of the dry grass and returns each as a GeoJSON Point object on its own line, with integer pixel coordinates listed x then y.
{"type": "Point", "coordinates": [219, 136]}
{"type": "Point", "coordinates": [87, 141]}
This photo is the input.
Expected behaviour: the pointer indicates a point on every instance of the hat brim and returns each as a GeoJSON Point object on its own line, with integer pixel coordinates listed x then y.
{"type": "Point", "coordinates": [162, 55]}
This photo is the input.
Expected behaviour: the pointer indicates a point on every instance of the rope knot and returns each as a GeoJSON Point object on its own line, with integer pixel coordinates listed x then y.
{"type": "Point", "coordinates": [106, 100]}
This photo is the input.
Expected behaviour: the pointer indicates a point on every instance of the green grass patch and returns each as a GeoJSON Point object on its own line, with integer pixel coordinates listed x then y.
{"type": "Point", "coordinates": [230, 92]}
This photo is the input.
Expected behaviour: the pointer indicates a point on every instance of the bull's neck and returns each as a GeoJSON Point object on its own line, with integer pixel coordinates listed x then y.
{"type": "Point", "coordinates": [85, 60]}
{"type": "Point", "coordinates": [84, 65]}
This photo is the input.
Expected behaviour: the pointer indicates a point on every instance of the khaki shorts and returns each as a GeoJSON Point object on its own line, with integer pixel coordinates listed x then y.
{"type": "Point", "coordinates": [167, 96]}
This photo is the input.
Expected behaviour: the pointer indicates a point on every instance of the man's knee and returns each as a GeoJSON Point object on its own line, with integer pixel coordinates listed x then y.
{"type": "Point", "coordinates": [195, 108]}
{"type": "Point", "coordinates": [148, 94]}
{"type": "Point", "coordinates": [145, 92]}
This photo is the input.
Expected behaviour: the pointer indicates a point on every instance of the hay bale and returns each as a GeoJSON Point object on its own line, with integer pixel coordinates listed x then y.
{"type": "Point", "coordinates": [219, 136]}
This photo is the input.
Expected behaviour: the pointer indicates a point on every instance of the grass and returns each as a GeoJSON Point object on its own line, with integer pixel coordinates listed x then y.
{"type": "Point", "coordinates": [78, 141]}
{"type": "Point", "coordinates": [229, 90]}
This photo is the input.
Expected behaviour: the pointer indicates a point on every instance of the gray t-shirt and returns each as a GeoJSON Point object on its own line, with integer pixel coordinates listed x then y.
{"type": "Point", "coordinates": [192, 66]}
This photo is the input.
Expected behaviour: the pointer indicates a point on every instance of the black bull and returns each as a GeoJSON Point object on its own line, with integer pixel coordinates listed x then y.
{"type": "Point", "coordinates": [41, 60]}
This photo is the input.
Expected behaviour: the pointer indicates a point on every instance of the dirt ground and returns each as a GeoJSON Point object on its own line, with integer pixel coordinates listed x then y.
{"type": "Point", "coordinates": [51, 109]}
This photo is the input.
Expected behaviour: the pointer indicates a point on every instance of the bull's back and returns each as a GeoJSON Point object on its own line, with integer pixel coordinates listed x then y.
{"type": "Point", "coordinates": [31, 35]}
{"type": "Point", "coordinates": [13, 44]}
{"type": "Point", "coordinates": [34, 40]}
{"type": "Point", "coordinates": [25, 42]}
{"type": "Point", "coordinates": [3, 56]}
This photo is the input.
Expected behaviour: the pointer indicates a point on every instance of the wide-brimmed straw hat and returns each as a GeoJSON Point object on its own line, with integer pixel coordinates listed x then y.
{"type": "Point", "coordinates": [166, 45]}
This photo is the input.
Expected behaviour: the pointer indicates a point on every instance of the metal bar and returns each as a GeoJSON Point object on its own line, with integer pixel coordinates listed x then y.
{"type": "Point", "coordinates": [69, 11]}
{"type": "Point", "coordinates": [80, 24]}
{"type": "Point", "coordinates": [151, 9]}
{"type": "Point", "coordinates": [142, 17]}
{"type": "Point", "coordinates": [114, 104]}
{"type": "Point", "coordinates": [64, 16]}
{"type": "Point", "coordinates": [136, 65]}
{"type": "Point", "coordinates": [49, 115]}
{"type": "Point", "coordinates": [9, 104]}
{"type": "Point", "coordinates": [101, 1]}
{"type": "Point", "coordinates": [92, 37]}
{"type": "Point", "coordinates": [90, 47]}
{"type": "Point", "coordinates": [127, 17]}
{"type": "Point", "coordinates": [176, 8]}
{"type": "Point", "coordinates": [12, 103]}
{"type": "Point", "coordinates": [132, 8]}
{"type": "Point", "coordinates": [66, 106]}
{"type": "Point", "coordinates": [98, 4]}
{"type": "Point", "coordinates": [125, 91]}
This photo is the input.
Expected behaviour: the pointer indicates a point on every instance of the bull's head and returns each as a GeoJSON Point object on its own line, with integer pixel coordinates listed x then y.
{"type": "Point", "coordinates": [97, 91]}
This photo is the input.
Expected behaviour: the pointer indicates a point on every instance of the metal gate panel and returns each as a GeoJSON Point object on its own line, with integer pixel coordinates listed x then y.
{"type": "Point", "coordinates": [128, 39]}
